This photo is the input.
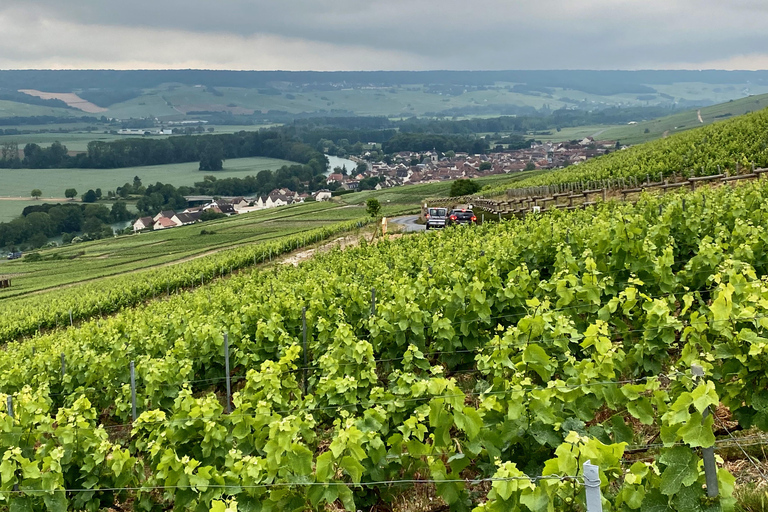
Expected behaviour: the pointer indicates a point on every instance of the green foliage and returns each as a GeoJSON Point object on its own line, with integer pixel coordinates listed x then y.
{"type": "Point", "coordinates": [373, 207]}
{"type": "Point", "coordinates": [36, 193]}
{"type": "Point", "coordinates": [211, 214]}
{"type": "Point", "coordinates": [698, 152]}
{"type": "Point", "coordinates": [70, 193]}
{"type": "Point", "coordinates": [463, 187]}
{"type": "Point", "coordinates": [492, 368]}
{"type": "Point", "coordinates": [89, 197]}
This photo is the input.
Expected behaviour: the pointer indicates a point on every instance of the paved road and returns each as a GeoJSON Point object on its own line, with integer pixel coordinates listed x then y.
{"type": "Point", "coordinates": [408, 222]}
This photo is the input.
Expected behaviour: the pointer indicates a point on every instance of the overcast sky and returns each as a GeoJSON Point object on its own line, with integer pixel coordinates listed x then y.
{"type": "Point", "coordinates": [384, 34]}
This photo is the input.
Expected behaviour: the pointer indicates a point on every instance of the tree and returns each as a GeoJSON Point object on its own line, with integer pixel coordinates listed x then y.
{"type": "Point", "coordinates": [70, 193]}
{"type": "Point", "coordinates": [120, 212]}
{"type": "Point", "coordinates": [486, 166]}
{"type": "Point", "coordinates": [373, 207]}
{"type": "Point", "coordinates": [212, 158]}
{"type": "Point", "coordinates": [89, 197]}
{"type": "Point", "coordinates": [530, 166]}
{"type": "Point", "coordinates": [463, 188]}
{"type": "Point", "coordinates": [36, 193]}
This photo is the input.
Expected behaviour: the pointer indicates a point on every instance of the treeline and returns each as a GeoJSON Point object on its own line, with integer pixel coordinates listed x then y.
{"type": "Point", "coordinates": [561, 118]}
{"type": "Point", "coordinates": [428, 141]}
{"type": "Point", "coordinates": [160, 196]}
{"type": "Point", "coordinates": [40, 222]}
{"type": "Point", "coordinates": [135, 152]}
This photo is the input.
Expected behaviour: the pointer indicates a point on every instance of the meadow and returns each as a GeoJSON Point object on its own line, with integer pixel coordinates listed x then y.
{"type": "Point", "coordinates": [53, 182]}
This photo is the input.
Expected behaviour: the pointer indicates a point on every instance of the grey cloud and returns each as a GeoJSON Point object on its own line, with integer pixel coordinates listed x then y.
{"type": "Point", "coordinates": [482, 34]}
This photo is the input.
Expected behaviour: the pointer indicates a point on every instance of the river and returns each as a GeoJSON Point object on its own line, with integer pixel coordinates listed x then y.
{"type": "Point", "coordinates": [334, 161]}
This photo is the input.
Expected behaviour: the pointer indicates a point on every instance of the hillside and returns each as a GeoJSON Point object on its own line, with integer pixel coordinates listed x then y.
{"type": "Point", "coordinates": [280, 96]}
{"type": "Point", "coordinates": [720, 146]}
{"type": "Point", "coordinates": [482, 377]}
{"type": "Point", "coordinates": [633, 134]}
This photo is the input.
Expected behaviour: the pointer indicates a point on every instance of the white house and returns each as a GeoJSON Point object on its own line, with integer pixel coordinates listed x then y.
{"type": "Point", "coordinates": [164, 223]}
{"type": "Point", "coordinates": [323, 195]}
{"type": "Point", "coordinates": [143, 223]}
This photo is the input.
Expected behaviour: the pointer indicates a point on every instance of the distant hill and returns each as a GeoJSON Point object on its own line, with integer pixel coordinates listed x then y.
{"type": "Point", "coordinates": [258, 97]}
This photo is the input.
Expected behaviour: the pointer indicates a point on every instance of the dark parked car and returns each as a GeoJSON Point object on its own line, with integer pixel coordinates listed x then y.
{"type": "Point", "coordinates": [436, 217]}
{"type": "Point", "coordinates": [462, 216]}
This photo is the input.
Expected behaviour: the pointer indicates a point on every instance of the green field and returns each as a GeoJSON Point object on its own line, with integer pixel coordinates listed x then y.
{"type": "Point", "coordinates": [53, 182]}
{"type": "Point", "coordinates": [91, 260]}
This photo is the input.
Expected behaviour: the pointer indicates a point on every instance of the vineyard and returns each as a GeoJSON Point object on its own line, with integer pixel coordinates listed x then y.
{"type": "Point", "coordinates": [479, 367]}
{"type": "Point", "coordinates": [724, 146]}
{"type": "Point", "coordinates": [58, 308]}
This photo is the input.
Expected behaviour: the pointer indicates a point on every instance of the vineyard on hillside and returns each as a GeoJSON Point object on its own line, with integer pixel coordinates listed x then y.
{"type": "Point", "coordinates": [742, 141]}
{"type": "Point", "coordinates": [58, 308]}
{"type": "Point", "coordinates": [482, 365]}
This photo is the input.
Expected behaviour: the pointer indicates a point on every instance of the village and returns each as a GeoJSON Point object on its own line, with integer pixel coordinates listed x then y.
{"type": "Point", "coordinates": [226, 206]}
{"type": "Point", "coordinates": [407, 168]}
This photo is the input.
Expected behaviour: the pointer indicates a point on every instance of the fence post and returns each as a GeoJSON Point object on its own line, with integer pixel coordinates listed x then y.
{"type": "Point", "coordinates": [707, 454]}
{"type": "Point", "coordinates": [226, 373]}
{"type": "Point", "coordinates": [592, 487]}
{"type": "Point", "coordinates": [63, 365]}
{"type": "Point", "coordinates": [10, 406]}
{"type": "Point", "coordinates": [133, 391]}
{"type": "Point", "coordinates": [70, 318]}
{"type": "Point", "coordinates": [304, 340]}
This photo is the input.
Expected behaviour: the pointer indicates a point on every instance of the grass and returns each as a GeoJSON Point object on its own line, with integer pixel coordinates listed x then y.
{"type": "Point", "coordinates": [91, 260]}
{"type": "Point", "coordinates": [53, 182]}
